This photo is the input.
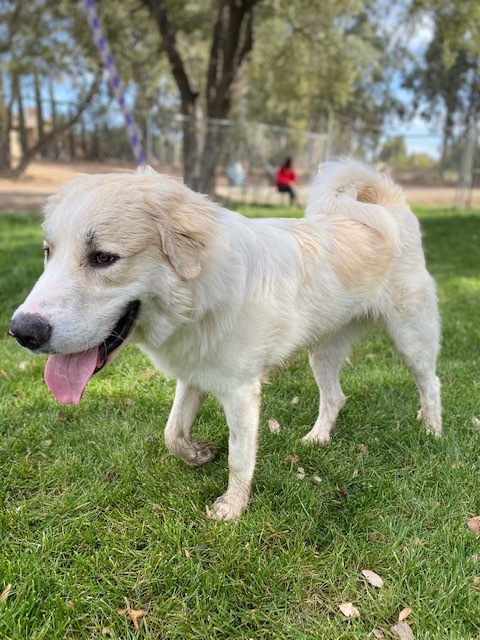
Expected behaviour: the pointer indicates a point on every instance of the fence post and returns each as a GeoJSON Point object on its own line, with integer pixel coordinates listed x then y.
{"type": "Point", "coordinates": [464, 186]}
{"type": "Point", "coordinates": [148, 137]}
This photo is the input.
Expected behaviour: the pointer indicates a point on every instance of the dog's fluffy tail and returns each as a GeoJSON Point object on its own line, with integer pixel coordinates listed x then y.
{"type": "Point", "coordinates": [356, 191]}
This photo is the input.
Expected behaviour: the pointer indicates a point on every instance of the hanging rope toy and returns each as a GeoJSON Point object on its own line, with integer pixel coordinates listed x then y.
{"type": "Point", "coordinates": [108, 60]}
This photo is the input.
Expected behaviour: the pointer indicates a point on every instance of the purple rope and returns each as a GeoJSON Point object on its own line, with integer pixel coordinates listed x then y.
{"type": "Point", "coordinates": [108, 60]}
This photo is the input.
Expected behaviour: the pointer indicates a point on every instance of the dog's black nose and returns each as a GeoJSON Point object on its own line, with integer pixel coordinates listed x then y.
{"type": "Point", "coordinates": [31, 330]}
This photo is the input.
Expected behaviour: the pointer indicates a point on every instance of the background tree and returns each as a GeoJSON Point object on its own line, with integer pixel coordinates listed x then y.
{"type": "Point", "coordinates": [445, 81]}
{"type": "Point", "coordinates": [230, 43]}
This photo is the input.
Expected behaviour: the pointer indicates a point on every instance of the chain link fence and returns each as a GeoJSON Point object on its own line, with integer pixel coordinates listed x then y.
{"type": "Point", "coordinates": [251, 153]}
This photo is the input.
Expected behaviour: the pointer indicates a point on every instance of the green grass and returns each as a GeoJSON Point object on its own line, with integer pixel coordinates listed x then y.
{"type": "Point", "coordinates": [93, 509]}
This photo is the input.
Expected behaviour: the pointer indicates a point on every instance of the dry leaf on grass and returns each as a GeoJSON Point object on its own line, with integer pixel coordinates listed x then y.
{"type": "Point", "coordinates": [300, 473]}
{"type": "Point", "coordinates": [348, 610]}
{"type": "Point", "coordinates": [476, 422]}
{"type": "Point", "coordinates": [373, 578]}
{"type": "Point", "coordinates": [5, 593]}
{"type": "Point", "coordinates": [474, 524]}
{"type": "Point", "coordinates": [62, 415]}
{"type": "Point", "coordinates": [295, 400]}
{"type": "Point", "coordinates": [292, 459]}
{"type": "Point", "coordinates": [274, 425]}
{"type": "Point", "coordinates": [402, 631]}
{"type": "Point", "coordinates": [134, 614]}
{"type": "Point", "coordinates": [210, 513]}
{"type": "Point", "coordinates": [404, 613]}
{"type": "Point", "coordinates": [362, 448]}
{"type": "Point", "coordinates": [378, 634]}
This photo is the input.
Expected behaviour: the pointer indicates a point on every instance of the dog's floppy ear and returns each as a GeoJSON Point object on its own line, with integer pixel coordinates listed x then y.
{"type": "Point", "coordinates": [183, 251]}
{"type": "Point", "coordinates": [186, 222]}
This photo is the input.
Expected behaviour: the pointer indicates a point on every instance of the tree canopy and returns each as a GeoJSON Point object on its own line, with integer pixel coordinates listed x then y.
{"type": "Point", "coordinates": [286, 63]}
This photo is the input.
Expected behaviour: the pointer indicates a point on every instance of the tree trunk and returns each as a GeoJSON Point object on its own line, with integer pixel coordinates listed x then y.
{"type": "Point", "coordinates": [53, 111]}
{"type": "Point", "coordinates": [5, 128]}
{"type": "Point", "coordinates": [39, 108]}
{"type": "Point", "coordinates": [188, 97]}
{"type": "Point", "coordinates": [446, 135]}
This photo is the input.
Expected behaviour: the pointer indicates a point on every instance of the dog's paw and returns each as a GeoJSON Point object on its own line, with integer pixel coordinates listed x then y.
{"type": "Point", "coordinates": [199, 454]}
{"type": "Point", "coordinates": [316, 438]}
{"type": "Point", "coordinates": [224, 508]}
{"type": "Point", "coordinates": [434, 430]}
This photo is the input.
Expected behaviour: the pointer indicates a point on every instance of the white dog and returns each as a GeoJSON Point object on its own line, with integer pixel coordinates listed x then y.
{"type": "Point", "coordinates": [218, 300]}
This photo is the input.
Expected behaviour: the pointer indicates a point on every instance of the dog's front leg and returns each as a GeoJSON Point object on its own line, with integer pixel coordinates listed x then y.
{"type": "Point", "coordinates": [242, 409]}
{"type": "Point", "coordinates": [185, 407]}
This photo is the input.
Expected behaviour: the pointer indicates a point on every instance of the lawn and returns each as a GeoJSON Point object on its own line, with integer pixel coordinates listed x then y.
{"type": "Point", "coordinates": [94, 510]}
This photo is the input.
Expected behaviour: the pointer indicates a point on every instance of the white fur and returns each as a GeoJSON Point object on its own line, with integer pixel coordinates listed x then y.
{"type": "Point", "coordinates": [225, 299]}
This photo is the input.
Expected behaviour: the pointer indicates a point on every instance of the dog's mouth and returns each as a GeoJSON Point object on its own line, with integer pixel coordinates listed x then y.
{"type": "Point", "coordinates": [67, 375]}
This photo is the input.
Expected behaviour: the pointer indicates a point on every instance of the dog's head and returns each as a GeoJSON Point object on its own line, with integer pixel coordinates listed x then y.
{"type": "Point", "coordinates": [115, 245]}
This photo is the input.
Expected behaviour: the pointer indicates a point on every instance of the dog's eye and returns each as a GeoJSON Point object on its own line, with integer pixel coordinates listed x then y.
{"type": "Point", "coordinates": [103, 259]}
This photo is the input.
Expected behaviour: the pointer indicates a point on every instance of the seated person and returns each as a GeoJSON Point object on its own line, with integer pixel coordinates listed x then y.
{"type": "Point", "coordinates": [286, 179]}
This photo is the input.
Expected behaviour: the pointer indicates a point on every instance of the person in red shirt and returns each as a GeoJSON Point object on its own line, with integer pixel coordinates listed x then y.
{"type": "Point", "coordinates": [286, 179]}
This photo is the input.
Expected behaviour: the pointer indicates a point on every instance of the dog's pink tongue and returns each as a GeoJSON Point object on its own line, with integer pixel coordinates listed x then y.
{"type": "Point", "coordinates": [67, 376]}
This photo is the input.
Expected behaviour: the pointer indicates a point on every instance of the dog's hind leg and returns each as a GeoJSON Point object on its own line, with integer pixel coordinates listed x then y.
{"type": "Point", "coordinates": [326, 362]}
{"type": "Point", "coordinates": [242, 410]}
{"type": "Point", "coordinates": [186, 404]}
{"type": "Point", "coordinates": [417, 338]}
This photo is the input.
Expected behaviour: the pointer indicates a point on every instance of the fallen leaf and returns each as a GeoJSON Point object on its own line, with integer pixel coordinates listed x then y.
{"type": "Point", "coordinates": [402, 631]}
{"type": "Point", "coordinates": [46, 443]}
{"type": "Point", "coordinates": [474, 524]}
{"type": "Point", "coordinates": [362, 448]}
{"type": "Point", "coordinates": [404, 613]}
{"type": "Point", "coordinates": [373, 578]}
{"type": "Point", "coordinates": [348, 610]}
{"type": "Point", "coordinates": [378, 633]}
{"type": "Point", "coordinates": [377, 537]}
{"type": "Point", "coordinates": [62, 416]}
{"type": "Point", "coordinates": [476, 422]}
{"type": "Point", "coordinates": [134, 614]}
{"type": "Point", "coordinates": [127, 402]}
{"type": "Point", "coordinates": [292, 459]}
{"type": "Point", "coordinates": [295, 400]}
{"type": "Point", "coordinates": [300, 473]}
{"type": "Point", "coordinates": [209, 513]}
{"type": "Point", "coordinates": [110, 475]}
{"type": "Point", "coordinates": [23, 366]}
{"type": "Point", "coordinates": [317, 480]}
{"type": "Point", "coordinates": [5, 593]}
{"type": "Point", "coordinates": [274, 426]}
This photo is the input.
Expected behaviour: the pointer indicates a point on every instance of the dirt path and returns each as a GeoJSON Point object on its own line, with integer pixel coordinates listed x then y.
{"type": "Point", "coordinates": [30, 191]}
